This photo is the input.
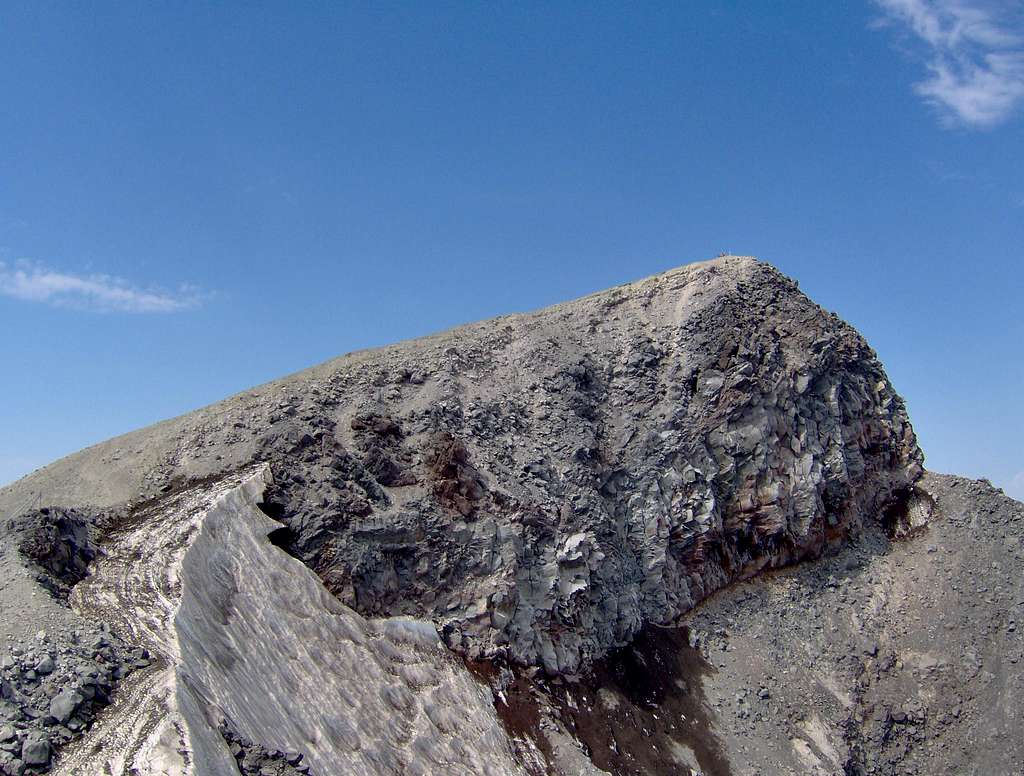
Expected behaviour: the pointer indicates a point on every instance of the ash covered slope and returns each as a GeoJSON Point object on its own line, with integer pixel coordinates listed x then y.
{"type": "Point", "coordinates": [887, 657]}
{"type": "Point", "coordinates": [541, 486]}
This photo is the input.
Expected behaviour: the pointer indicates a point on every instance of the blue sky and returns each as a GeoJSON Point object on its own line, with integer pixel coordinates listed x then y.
{"type": "Point", "coordinates": [196, 198]}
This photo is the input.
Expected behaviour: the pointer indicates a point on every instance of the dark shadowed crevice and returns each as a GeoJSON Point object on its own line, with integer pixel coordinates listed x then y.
{"type": "Point", "coordinates": [272, 509]}
{"type": "Point", "coordinates": [283, 537]}
{"type": "Point", "coordinates": [635, 711]}
{"type": "Point", "coordinates": [907, 512]}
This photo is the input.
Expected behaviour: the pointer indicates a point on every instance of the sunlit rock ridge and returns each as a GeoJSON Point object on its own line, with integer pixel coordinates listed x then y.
{"type": "Point", "coordinates": [537, 489]}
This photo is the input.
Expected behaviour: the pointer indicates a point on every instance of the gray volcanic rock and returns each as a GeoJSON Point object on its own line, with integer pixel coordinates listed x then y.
{"type": "Point", "coordinates": [58, 543]}
{"type": "Point", "coordinates": [51, 691]}
{"type": "Point", "coordinates": [36, 751]}
{"type": "Point", "coordinates": [543, 486]}
{"type": "Point", "coordinates": [555, 496]}
{"type": "Point", "coordinates": [885, 657]}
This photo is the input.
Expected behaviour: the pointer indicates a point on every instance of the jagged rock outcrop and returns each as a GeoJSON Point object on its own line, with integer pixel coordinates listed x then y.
{"type": "Point", "coordinates": [887, 657]}
{"type": "Point", "coordinates": [58, 543]}
{"type": "Point", "coordinates": [555, 496]}
{"type": "Point", "coordinates": [542, 486]}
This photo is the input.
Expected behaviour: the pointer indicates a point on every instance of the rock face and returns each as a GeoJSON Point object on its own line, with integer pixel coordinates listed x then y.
{"type": "Point", "coordinates": [550, 484]}
{"type": "Point", "coordinates": [544, 494]}
{"type": "Point", "coordinates": [59, 543]}
{"type": "Point", "coordinates": [885, 657]}
{"type": "Point", "coordinates": [542, 486]}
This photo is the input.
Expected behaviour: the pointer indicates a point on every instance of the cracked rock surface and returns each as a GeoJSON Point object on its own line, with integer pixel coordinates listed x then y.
{"type": "Point", "coordinates": [543, 486]}
{"type": "Point", "coordinates": [887, 657]}
{"type": "Point", "coordinates": [511, 538]}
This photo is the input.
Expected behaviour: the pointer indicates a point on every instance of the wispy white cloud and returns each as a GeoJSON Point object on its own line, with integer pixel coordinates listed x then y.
{"type": "Point", "coordinates": [974, 52]}
{"type": "Point", "coordinates": [32, 282]}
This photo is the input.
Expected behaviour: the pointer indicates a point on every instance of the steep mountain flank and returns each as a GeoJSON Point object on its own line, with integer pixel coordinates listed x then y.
{"type": "Point", "coordinates": [542, 486]}
{"type": "Point", "coordinates": [548, 495]}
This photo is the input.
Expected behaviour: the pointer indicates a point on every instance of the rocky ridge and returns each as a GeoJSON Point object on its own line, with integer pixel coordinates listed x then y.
{"type": "Point", "coordinates": [542, 486]}
{"type": "Point", "coordinates": [555, 493]}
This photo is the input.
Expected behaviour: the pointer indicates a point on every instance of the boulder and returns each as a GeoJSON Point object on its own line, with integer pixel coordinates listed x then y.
{"type": "Point", "coordinates": [44, 665]}
{"type": "Point", "coordinates": [36, 750]}
{"type": "Point", "coordinates": [64, 705]}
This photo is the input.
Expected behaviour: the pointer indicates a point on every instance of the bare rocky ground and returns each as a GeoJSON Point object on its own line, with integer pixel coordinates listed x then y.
{"type": "Point", "coordinates": [51, 691]}
{"type": "Point", "coordinates": [556, 497]}
{"type": "Point", "coordinates": [890, 656]}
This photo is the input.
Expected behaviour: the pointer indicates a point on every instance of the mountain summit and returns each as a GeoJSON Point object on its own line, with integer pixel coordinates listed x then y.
{"type": "Point", "coordinates": [543, 497]}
